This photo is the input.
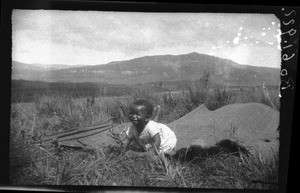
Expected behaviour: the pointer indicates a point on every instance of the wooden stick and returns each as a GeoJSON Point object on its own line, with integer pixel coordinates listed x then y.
{"type": "Point", "coordinates": [83, 128]}
{"type": "Point", "coordinates": [79, 137]}
{"type": "Point", "coordinates": [61, 135]}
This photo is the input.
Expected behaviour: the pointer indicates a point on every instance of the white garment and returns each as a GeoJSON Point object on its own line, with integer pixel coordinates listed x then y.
{"type": "Point", "coordinates": [167, 136]}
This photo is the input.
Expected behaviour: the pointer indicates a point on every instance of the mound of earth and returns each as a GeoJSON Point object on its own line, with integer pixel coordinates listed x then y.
{"type": "Point", "coordinates": [252, 125]}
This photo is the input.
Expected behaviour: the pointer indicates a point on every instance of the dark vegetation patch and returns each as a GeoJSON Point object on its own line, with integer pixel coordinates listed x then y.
{"type": "Point", "coordinates": [197, 154]}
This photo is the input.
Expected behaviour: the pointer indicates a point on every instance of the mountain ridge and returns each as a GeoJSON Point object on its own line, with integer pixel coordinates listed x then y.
{"type": "Point", "coordinates": [168, 67]}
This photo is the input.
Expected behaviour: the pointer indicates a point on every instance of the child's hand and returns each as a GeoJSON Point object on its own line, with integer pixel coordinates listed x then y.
{"type": "Point", "coordinates": [152, 150]}
{"type": "Point", "coordinates": [131, 153]}
{"type": "Point", "coordinates": [148, 147]}
{"type": "Point", "coordinates": [126, 143]}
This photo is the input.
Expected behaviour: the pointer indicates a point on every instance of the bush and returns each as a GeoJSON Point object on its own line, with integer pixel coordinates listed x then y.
{"type": "Point", "coordinates": [218, 98]}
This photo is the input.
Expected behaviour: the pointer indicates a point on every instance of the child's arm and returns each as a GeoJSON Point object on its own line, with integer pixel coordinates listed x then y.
{"type": "Point", "coordinates": [127, 143]}
{"type": "Point", "coordinates": [155, 143]}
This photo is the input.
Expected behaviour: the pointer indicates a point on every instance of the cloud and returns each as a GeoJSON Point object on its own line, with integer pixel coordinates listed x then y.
{"type": "Point", "coordinates": [108, 36]}
{"type": "Point", "coordinates": [123, 32]}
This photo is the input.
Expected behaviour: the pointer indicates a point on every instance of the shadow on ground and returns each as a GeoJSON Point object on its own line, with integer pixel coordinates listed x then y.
{"type": "Point", "coordinates": [197, 154]}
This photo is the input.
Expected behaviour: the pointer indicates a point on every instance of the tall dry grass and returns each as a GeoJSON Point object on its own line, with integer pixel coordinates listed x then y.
{"type": "Point", "coordinates": [37, 163]}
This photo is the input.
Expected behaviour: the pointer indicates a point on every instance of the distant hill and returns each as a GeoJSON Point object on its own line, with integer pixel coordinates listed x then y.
{"type": "Point", "coordinates": [25, 90]}
{"type": "Point", "coordinates": [35, 72]}
{"type": "Point", "coordinates": [159, 68]}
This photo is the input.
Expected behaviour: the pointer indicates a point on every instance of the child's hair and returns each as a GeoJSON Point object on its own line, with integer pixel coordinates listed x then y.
{"type": "Point", "coordinates": [145, 103]}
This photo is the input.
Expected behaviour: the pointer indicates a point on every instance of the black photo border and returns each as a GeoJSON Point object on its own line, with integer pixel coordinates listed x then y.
{"type": "Point", "coordinates": [288, 15]}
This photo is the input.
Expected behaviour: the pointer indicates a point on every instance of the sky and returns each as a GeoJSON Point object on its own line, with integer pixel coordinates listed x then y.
{"type": "Point", "coordinates": [46, 37]}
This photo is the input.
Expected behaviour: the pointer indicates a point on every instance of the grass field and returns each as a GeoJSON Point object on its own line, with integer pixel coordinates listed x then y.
{"type": "Point", "coordinates": [36, 163]}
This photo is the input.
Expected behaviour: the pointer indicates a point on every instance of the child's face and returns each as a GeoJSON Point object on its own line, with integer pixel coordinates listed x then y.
{"type": "Point", "coordinates": [138, 115]}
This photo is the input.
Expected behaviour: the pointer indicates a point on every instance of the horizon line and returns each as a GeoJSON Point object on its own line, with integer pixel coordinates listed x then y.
{"type": "Point", "coordinates": [82, 65]}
